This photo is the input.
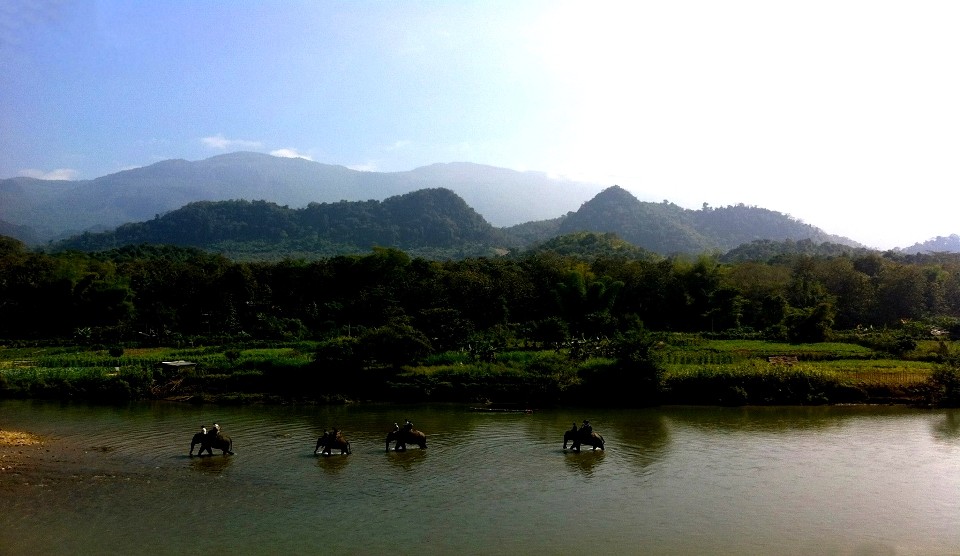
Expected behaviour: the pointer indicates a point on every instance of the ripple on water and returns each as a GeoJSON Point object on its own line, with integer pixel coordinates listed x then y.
{"type": "Point", "coordinates": [742, 481]}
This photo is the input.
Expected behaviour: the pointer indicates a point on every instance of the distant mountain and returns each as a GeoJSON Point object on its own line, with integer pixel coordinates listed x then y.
{"type": "Point", "coordinates": [26, 234]}
{"type": "Point", "coordinates": [437, 223]}
{"type": "Point", "coordinates": [666, 228]}
{"type": "Point", "coordinates": [939, 244]}
{"type": "Point", "coordinates": [663, 228]}
{"type": "Point", "coordinates": [429, 222]}
{"type": "Point", "coordinates": [62, 208]}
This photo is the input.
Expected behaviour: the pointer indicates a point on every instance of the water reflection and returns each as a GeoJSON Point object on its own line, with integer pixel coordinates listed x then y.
{"type": "Point", "coordinates": [408, 460]}
{"type": "Point", "coordinates": [211, 465]}
{"type": "Point", "coordinates": [583, 462]}
{"type": "Point", "coordinates": [671, 481]}
{"type": "Point", "coordinates": [643, 438]}
{"type": "Point", "coordinates": [332, 464]}
{"type": "Point", "coordinates": [947, 428]}
{"type": "Point", "coordinates": [763, 418]}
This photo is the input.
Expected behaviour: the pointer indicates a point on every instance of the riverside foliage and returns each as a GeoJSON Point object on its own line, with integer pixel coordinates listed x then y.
{"type": "Point", "coordinates": [537, 327]}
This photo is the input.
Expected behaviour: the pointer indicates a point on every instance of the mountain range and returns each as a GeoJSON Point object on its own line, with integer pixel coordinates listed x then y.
{"type": "Point", "coordinates": [58, 209]}
{"type": "Point", "coordinates": [437, 223]}
{"type": "Point", "coordinates": [244, 199]}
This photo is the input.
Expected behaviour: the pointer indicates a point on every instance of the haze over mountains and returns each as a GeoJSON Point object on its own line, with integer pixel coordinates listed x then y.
{"type": "Point", "coordinates": [61, 208]}
{"type": "Point", "coordinates": [475, 204]}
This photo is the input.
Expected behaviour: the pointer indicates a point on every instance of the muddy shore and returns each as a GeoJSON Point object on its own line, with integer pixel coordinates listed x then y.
{"type": "Point", "coordinates": [31, 462]}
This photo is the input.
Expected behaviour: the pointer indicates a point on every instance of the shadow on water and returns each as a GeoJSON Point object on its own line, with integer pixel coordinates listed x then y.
{"type": "Point", "coordinates": [407, 460]}
{"type": "Point", "coordinates": [583, 462]}
{"type": "Point", "coordinates": [333, 463]}
{"type": "Point", "coordinates": [211, 465]}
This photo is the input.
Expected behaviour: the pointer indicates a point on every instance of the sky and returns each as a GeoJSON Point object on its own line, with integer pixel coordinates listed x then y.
{"type": "Point", "coordinates": [843, 114]}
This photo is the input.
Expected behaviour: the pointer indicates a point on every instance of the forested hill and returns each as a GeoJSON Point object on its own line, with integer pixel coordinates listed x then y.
{"type": "Point", "coordinates": [769, 251]}
{"type": "Point", "coordinates": [939, 244]}
{"type": "Point", "coordinates": [437, 223]}
{"type": "Point", "coordinates": [430, 223]}
{"type": "Point", "coordinates": [666, 228]}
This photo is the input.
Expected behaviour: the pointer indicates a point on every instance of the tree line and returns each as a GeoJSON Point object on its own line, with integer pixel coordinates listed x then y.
{"type": "Point", "coordinates": [394, 307]}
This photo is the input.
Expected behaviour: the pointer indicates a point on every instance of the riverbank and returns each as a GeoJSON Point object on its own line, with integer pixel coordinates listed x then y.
{"type": "Point", "coordinates": [688, 370]}
{"type": "Point", "coordinates": [49, 468]}
{"type": "Point", "coordinates": [24, 460]}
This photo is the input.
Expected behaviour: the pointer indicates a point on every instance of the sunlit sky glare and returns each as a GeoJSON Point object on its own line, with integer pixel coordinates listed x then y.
{"type": "Point", "coordinates": [844, 114]}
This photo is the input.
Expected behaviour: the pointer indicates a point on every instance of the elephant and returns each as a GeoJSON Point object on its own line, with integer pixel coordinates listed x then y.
{"type": "Point", "coordinates": [577, 438]}
{"type": "Point", "coordinates": [208, 440]}
{"type": "Point", "coordinates": [404, 436]}
{"type": "Point", "coordinates": [330, 440]}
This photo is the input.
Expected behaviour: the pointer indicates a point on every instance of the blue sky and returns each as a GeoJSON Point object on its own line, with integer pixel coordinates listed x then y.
{"type": "Point", "coordinates": [841, 113]}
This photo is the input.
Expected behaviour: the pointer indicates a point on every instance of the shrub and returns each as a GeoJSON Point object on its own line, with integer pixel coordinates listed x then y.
{"type": "Point", "coordinates": [945, 385]}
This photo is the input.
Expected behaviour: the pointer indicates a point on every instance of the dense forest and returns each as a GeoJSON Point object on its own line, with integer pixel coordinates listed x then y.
{"type": "Point", "coordinates": [582, 285]}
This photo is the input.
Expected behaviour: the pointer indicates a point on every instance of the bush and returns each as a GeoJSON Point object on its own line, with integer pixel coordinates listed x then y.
{"type": "Point", "coordinates": [759, 384]}
{"type": "Point", "coordinates": [945, 385]}
{"type": "Point", "coordinates": [632, 378]}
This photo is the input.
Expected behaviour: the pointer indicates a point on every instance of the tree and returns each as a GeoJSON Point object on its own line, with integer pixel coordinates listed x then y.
{"type": "Point", "coordinates": [635, 376]}
{"type": "Point", "coordinates": [810, 324]}
{"type": "Point", "coordinates": [395, 345]}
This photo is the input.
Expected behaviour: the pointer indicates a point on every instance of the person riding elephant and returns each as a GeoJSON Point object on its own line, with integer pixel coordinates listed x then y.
{"type": "Point", "coordinates": [404, 436]}
{"type": "Point", "coordinates": [210, 440]}
{"type": "Point", "coordinates": [584, 435]}
{"type": "Point", "coordinates": [333, 439]}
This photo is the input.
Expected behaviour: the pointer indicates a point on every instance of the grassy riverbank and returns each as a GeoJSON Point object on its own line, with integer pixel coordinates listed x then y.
{"type": "Point", "coordinates": [691, 369]}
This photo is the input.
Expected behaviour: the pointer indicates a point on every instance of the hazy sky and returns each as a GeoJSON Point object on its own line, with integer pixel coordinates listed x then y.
{"type": "Point", "coordinates": [845, 114]}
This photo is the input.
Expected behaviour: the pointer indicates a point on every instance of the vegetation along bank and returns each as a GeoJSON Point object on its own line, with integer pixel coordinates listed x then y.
{"type": "Point", "coordinates": [538, 328]}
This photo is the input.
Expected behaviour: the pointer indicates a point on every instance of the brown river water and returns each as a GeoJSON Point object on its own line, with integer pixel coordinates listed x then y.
{"type": "Point", "coordinates": [675, 480]}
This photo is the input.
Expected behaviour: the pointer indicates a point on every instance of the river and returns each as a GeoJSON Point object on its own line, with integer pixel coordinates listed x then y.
{"type": "Point", "coordinates": [674, 480]}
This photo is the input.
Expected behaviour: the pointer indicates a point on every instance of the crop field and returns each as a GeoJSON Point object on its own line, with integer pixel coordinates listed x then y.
{"type": "Point", "coordinates": [696, 369]}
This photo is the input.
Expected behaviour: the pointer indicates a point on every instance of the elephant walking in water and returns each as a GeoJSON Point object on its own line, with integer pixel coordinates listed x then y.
{"type": "Point", "coordinates": [578, 437]}
{"type": "Point", "coordinates": [406, 436]}
{"type": "Point", "coordinates": [331, 440]}
{"type": "Point", "coordinates": [210, 440]}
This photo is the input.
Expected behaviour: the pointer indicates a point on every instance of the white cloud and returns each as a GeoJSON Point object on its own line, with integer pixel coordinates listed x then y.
{"type": "Point", "coordinates": [221, 143]}
{"type": "Point", "coordinates": [58, 174]}
{"type": "Point", "coordinates": [397, 145]}
{"type": "Point", "coordinates": [289, 153]}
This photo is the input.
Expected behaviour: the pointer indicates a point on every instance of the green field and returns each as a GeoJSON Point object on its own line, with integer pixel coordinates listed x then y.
{"type": "Point", "coordinates": [694, 370]}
